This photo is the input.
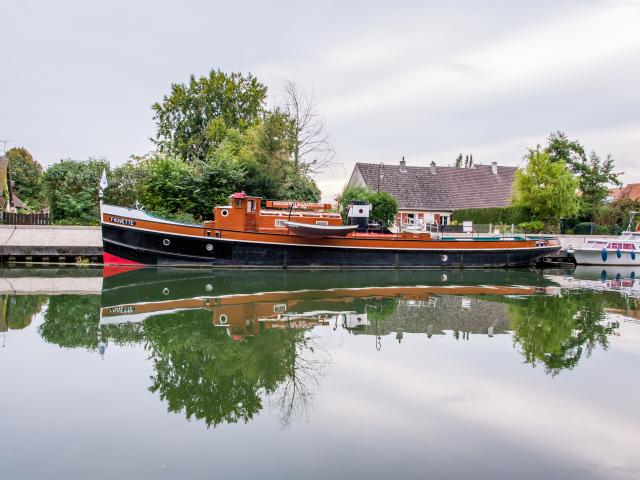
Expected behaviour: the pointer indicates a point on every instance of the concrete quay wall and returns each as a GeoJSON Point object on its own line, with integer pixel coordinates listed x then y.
{"type": "Point", "coordinates": [49, 240]}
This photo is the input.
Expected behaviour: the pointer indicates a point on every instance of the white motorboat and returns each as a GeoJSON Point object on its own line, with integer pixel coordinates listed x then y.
{"type": "Point", "coordinates": [624, 250]}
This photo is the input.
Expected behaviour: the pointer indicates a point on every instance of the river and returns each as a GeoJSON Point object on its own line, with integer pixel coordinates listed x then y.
{"type": "Point", "coordinates": [151, 373]}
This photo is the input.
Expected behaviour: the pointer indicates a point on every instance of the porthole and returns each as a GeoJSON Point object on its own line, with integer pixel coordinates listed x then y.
{"type": "Point", "coordinates": [166, 242]}
{"type": "Point", "coordinates": [444, 277]}
{"type": "Point", "coordinates": [444, 257]}
{"type": "Point", "coordinates": [209, 287]}
{"type": "Point", "coordinates": [224, 212]}
{"type": "Point", "coordinates": [165, 291]}
{"type": "Point", "coordinates": [209, 247]}
{"type": "Point", "coordinates": [223, 319]}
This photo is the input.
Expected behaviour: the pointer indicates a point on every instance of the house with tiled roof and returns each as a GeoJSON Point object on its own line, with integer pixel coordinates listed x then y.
{"type": "Point", "coordinates": [431, 194]}
{"type": "Point", "coordinates": [630, 191]}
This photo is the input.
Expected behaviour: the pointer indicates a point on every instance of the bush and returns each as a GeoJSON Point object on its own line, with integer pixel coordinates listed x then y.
{"type": "Point", "coordinates": [72, 190]}
{"type": "Point", "coordinates": [483, 216]}
{"type": "Point", "coordinates": [535, 226]}
{"type": "Point", "coordinates": [384, 206]}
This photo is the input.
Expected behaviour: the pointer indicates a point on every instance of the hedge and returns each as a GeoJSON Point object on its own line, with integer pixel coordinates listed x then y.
{"type": "Point", "coordinates": [503, 215]}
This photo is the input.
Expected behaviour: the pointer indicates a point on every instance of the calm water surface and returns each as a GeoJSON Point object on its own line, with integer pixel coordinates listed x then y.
{"type": "Point", "coordinates": [234, 374]}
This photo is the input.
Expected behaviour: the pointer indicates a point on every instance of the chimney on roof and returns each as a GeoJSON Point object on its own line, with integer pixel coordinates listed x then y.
{"type": "Point", "coordinates": [403, 166]}
{"type": "Point", "coordinates": [432, 167]}
{"type": "Point", "coordinates": [494, 168]}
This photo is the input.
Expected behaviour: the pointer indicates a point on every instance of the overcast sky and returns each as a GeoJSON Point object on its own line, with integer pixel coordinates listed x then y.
{"type": "Point", "coordinates": [426, 80]}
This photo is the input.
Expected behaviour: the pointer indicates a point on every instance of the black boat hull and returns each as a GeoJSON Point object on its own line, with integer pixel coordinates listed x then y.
{"type": "Point", "coordinates": [153, 248]}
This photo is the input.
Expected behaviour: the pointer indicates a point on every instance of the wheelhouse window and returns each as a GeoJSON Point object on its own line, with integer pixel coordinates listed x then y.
{"type": "Point", "coordinates": [251, 206]}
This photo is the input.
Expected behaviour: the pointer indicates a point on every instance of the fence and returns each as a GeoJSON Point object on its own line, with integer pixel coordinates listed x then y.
{"type": "Point", "coordinates": [25, 218]}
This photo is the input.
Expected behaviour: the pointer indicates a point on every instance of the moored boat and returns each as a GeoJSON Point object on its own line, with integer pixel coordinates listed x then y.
{"type": "Point", "coordinates": [624, 250]}
{"type": "Point", "coordinates": [247, 235]}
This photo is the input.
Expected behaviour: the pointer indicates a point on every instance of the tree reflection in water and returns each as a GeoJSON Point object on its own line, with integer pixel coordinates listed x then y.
{"type": "Point", "coordinates": [556, 331]}
{"type": "Point", "coordinates": [309, 362]}
{"type": "Point", "coordinates": [203, 371]}
{"type": "Point", "coordinates": [17, 311]}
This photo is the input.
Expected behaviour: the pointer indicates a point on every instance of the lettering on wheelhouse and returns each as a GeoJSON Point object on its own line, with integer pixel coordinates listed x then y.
{"type": "Point", "coordinates": [122, 221]}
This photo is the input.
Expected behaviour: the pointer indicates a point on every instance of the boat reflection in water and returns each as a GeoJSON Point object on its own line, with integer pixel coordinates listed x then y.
{"type": "Point", "coordinates": [620, 279]}
{"type": "Point", "coordinates": [225, 345]}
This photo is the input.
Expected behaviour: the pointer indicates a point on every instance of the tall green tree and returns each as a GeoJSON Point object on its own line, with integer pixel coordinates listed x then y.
{"type": "Point", "coordinates": [594, 174]}
{"type": "Point", "coordinates": [263, 152]}
{"type": "Point", "coordinates": [27, 175]}
{"type": "Point", "coordinates": [186, 117]}
{"type": "Point", "coordinates": [546, 187]}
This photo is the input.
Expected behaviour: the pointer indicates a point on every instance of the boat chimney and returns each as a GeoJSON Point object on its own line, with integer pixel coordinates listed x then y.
{"type": "Point", "coordinates": [403, 163]}
{"type": "Point", "coordinates": [358, 214]}
{"type": "Point", "coordinates": [432, 167]}
{"type": "Point", "coordinates": [494, 168]}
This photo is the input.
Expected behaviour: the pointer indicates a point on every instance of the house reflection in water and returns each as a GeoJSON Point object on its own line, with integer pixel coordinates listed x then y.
{"type": "Point", "coordinates": [440, 314]}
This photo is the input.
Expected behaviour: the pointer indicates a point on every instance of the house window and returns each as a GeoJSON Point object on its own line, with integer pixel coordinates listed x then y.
{"type": "Point", "coordinates": [444, 221]}
{"type": "Point", "coordinates": [411, 218]}
{"type": "Point", "coordinates": [280, 223]}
